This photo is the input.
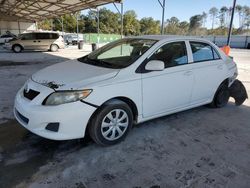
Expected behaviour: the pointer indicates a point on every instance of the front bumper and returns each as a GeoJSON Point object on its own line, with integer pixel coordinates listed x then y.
{"type": "Point", "coordinates": [72, 117]}
{"type": "Point", "coordinates": [7, 46]}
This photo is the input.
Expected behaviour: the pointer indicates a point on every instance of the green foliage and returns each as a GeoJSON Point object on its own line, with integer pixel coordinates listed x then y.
{"type": "Point", "coordinates": [195, 23]}
{"type": "Point", "coordinates": [131, 24]}
{"type": "Point", "coordinates": [110, 23]}
{"type": "Point", "coordinates": [149, 26]}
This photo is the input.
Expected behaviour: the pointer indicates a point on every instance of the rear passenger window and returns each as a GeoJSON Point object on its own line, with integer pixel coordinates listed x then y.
{"type": "Point", "coordinates": [172, 54]}
{"type": "Point", "coordinates": [42, 35]}
{"type": "Point", "coordinates": [203, 52]}
{"type": "Point", "coordinates": [54, 36]}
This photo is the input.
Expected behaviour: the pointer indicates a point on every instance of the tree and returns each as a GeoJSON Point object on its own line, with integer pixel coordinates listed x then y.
{"type": "Point", "coordinates": [172, 26]}
{"type": "Point", "coordinates": [222, 16]}
{"type": "Point", "coordinates": [204, 19]}
{"type": "Point", "coordinates": [109, 21]}
{"type": "Point", "coordinates": [131, 24]}
{"type": "Point", "coordinates": [195, 23]}
{"type": "Point", "coordinates": [45, 25]}
{"type": "Point", "coordinates": [246, 16]}
{"type": "Point", "coordinates": [239, 10]}
{"type": "Point", "coordinates": [184, 27]}
{"type": "Point", "coordinates": [213, 13]}
{"type": "Point", "coordinates": [149, 26]}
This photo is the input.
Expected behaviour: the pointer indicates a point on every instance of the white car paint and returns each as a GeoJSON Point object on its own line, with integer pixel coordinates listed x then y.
{"type": "Point", "coordinates": [155, 94]}
{"type": "Point", "coordinates": [5, 38]}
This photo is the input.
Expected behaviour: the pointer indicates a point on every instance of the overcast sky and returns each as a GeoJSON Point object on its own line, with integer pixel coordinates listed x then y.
{"type": "Point", "coordinates": [182, 9]}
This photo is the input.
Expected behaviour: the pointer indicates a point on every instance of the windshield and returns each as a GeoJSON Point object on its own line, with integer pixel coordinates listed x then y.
{"type": "Point", "coordinates": [118, 54]}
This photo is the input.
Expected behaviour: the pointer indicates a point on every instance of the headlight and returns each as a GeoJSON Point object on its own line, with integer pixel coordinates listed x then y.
{"type": "Point", "coordinates": [63, 97]}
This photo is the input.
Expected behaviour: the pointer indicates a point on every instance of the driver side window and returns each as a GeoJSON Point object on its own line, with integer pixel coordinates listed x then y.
{"type": "Point", "coordinates": [172, 54]}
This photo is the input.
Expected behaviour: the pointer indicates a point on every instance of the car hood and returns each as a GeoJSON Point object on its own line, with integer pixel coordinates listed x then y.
{"type": "Point", "coordinates": [72, 75]}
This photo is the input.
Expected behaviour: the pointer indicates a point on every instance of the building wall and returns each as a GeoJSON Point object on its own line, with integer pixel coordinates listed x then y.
{"type": "Point", "coordinates": [14, 28]}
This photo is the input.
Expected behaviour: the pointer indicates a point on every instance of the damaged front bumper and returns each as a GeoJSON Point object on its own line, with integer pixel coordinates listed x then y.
{"type": "Point", "coordinates": [238, 92]}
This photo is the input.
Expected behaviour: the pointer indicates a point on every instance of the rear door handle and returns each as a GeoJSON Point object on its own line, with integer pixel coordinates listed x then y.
{"type": "Point", "coordinates": [39, 41]}
{"type": "Point", "coordinates": [34, 41]}
{"type": "Point", "coordinates": [188, 73]}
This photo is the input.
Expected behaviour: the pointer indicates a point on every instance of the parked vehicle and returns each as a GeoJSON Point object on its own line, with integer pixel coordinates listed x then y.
{"type": "Point", "coordinates": [73, 39]}
{"type": "Point", "coordinates": [36, 41]}
{"type": "Point", "coordinates": [6, 38]}
{"type": "Point", "coordinates": [128, 81]}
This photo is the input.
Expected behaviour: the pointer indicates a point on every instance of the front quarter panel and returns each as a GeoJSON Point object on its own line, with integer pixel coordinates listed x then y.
{"type": "Point", "coordinates": [123, 85]}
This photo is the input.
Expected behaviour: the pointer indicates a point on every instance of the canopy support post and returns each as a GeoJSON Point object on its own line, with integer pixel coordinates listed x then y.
{"type": "Point", "coordinates": [163, 15]}
{"type": "Point", "coordinates": [121, 14]}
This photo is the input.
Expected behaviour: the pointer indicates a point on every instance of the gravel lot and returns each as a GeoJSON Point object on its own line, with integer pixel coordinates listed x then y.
{"type": "Point", "coordinates": [202, 147]}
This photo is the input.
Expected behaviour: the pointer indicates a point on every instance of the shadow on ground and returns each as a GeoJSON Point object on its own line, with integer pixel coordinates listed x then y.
{"type": "Point", "coordinates": [196, 148]}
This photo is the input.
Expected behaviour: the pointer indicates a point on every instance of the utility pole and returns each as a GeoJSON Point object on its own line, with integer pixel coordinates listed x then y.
{"type": "Point", "coordinates": [163, 15]}
{"type": "Point", "coordinates": [121, 19]}
{"type": "Point", "coordinates": [62, 25]}
{"type": "Point", "coordinates": [121, 14]}
{"type": "Point", "coordinates": [231, 24]}
{"type": "Point", "coordinates": [77, 28]}
{"type": "Point", "coordinates": [61, 22]}
{"type": "Point", "coordinates": [98, 25]}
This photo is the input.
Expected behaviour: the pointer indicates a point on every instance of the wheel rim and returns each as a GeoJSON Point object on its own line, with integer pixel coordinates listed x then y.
{"type": "Point", "coordinates": [114, 124]}
{"type": "Point", "coordinates": [17, 48]}
{"type": "Point", "coordinates": [54, 48]}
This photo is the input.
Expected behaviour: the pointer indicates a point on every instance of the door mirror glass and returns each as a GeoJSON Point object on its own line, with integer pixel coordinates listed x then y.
{"type": "Point", "coordinates": [155, 65]}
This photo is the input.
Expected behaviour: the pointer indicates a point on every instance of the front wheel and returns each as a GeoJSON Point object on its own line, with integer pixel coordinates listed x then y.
{"type": "Point", "coordinates": [17, 48]}
{"type": "Point", "coordinates": [54, 48]}
{"type": "Point", "coordinates": [111, 123]}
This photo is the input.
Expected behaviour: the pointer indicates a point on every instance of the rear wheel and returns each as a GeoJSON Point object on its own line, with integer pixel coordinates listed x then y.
{"type": "Point", "coordinates": [111, 123]}
{"type": "Point", "coordinates": [221, 97]}
{"type": "Point", "coordinates": [17, 48]}
{"type": "Point", "coordinates": [54, 48]}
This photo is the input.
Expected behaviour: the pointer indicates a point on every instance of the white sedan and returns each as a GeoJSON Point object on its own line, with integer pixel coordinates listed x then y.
{"type": "Point", "coordinates": [128, 81]}
{"type": "Point", "coordinates": [6, 38]}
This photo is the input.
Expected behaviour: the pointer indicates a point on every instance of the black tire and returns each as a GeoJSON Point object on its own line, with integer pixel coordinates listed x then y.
{"type": "Point", "coordinates": [95, 126]}
{"type": "Point", "coordinates": [17, 48]}
{"type": "Point", "coordinates": [221, 97]}
{"type": "Point", "coordinates": [54, 48]}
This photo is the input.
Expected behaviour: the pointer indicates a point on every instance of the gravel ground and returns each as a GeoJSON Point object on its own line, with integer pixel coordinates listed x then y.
{"type": "Point", "coordinates": [202, 147]}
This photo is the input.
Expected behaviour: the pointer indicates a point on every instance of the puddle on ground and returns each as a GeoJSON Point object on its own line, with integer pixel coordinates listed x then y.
{"type": "Point", "coordinates": [22, 153]}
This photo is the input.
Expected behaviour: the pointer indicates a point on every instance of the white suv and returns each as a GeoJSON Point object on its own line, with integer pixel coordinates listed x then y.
{"type": "Point", "coordinates": [128, 81]}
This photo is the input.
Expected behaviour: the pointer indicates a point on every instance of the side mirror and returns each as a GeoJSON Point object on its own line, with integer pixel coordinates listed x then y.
{"type": "Point", "coordinates": [155, 65]}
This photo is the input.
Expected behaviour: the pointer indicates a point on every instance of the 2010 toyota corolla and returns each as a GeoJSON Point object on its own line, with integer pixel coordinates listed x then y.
{"type": "Point", "coordinates": [129, 81]}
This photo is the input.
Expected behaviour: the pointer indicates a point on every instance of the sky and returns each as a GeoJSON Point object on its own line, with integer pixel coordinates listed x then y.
{"type": "Point", "coordinates": [182, 9]}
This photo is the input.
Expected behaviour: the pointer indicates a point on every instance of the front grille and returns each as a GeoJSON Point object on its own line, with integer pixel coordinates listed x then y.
{"type": "Point", "coordinates": [22, 118]}
{"type": "Point", "coordinates": [31, 94]}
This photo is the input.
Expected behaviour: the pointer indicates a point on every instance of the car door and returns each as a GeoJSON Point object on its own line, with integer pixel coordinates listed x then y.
{"type": "Point", "coordinates": [170, 89]}
{"type": "Point", "coordinates": [28, 41]}
{"type": "Point", "coordinates": [209, 71]}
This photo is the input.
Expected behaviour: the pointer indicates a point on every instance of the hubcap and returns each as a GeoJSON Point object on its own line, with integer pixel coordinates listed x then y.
{"type": "Point", "coordinates": [54, 48]}
{"type": "Point", "coordinates": [17, 48]}
{"type": "Point", "coordinates": [114, 124]}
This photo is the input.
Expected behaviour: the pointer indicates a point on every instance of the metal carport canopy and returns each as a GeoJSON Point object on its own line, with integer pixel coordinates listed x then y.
{"type": "Point", "coordinates": [42, 9]}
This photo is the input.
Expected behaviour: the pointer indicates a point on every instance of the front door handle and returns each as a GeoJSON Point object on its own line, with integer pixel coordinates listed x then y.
{"type": "Point", "coordinates": [188, 73]}
{"type": "Point", "coordinates": [39, 41]}
{"type": "Point", "coordinates": [34, 41]}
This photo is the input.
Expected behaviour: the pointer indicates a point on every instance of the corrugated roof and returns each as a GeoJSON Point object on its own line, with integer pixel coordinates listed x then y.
{"type": "Point", "coordinates": [41, 9]}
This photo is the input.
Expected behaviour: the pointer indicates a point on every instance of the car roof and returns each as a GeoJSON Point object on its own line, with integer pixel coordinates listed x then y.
{"type": "Point", "coordinates": [41, 32]}
{"type": "Point", "coordinates": [170, 37]}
